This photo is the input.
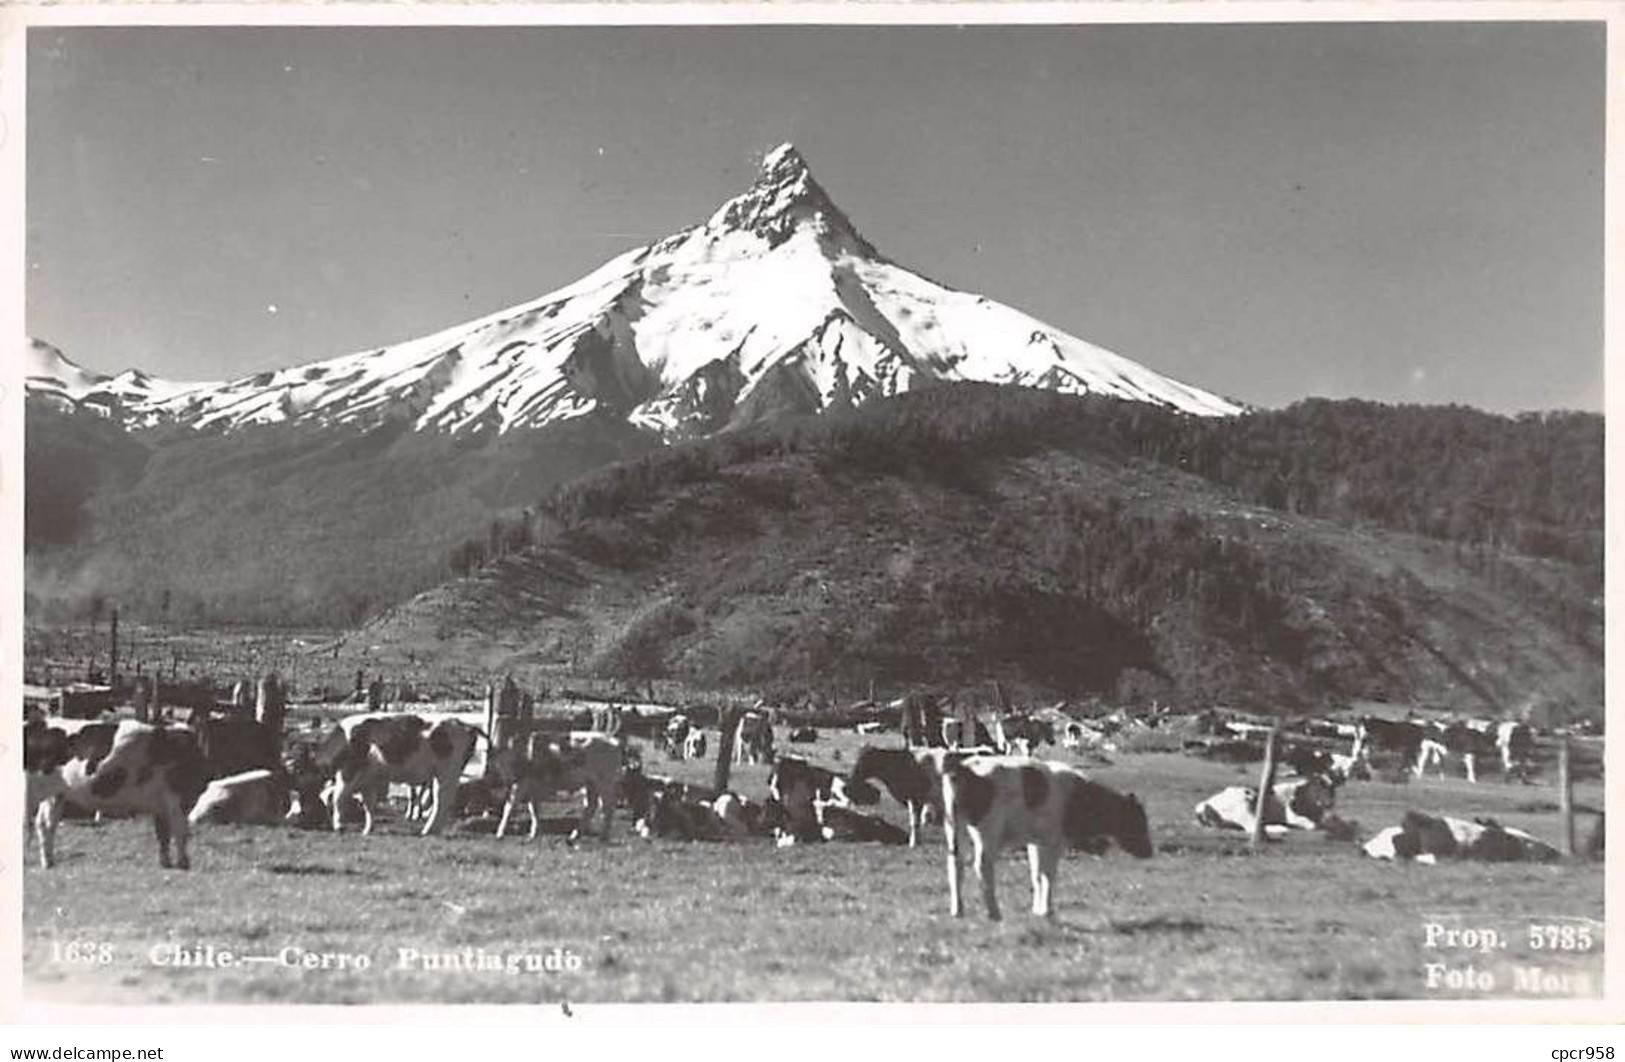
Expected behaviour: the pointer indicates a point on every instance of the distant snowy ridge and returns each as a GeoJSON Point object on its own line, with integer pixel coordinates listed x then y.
{"type": "Point", "coordinates": [774, 304]}
{"type": "Point", "coordinates": [48, 373]}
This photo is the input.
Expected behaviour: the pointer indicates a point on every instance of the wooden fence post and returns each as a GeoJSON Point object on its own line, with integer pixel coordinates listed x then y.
{"type": "Point", "coordinates": [490, 714]}
{"type": "Point", "coordinates": [1565, 786]}
{"type": "Point", "coordinates": [112, 652]}
{"type": "Point", "coordinates": [1265, 783]}
{"type": "Point", "coordinates": [728, 720]}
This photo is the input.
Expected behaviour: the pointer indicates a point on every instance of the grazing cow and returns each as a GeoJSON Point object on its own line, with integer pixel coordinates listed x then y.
{"type": "Point", "coordinates": [1424, 838]}
{"type": "Point", "coordinates": [1002, 800]}
{"type": "Point", "coordinates": [796, 784]}
{"type": "Point", "coordinates": [694, 745]}
{"type": "Point", "coordinates": [367, 752]}
{"type": "Point", "coordinates": [753, 740]}
{"type": "Point", "coordinates": [674, 739]}
{"type": "Point", "coordinates": [1301, 804]}
{"type": "Point", "coordinates": [588, 761]}
{"type": "Point", "coordinates": [259, 797]}
{"type": "Point", "coordinates": [138, 767]}
{"type": "Point", "coordinates": [912, 776]}
{"type": "Point", "coordinates": [804, 735]}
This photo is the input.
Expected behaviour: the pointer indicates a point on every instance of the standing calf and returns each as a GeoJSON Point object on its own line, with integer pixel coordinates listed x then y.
{"type": "Point", "coordinates": [1001, 800]}
{"type": "Point", "coordinates": [587, 760]}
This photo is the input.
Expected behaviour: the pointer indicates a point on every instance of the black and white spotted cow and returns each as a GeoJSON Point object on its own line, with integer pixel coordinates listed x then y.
{"type": "Point", "coordinates": [1424, 838]}
{"type": "Point", "coordinates": [669, 814]}
{"type": "Point", "coordinates": [261, 797]}
{"type": "Point", "coordinates": [585, 761]}
{"type": "Point", "coordinates": [132, 767]}
{"type": "Point", "coordinates": [1298, 804]}
{"type": "Point", "coordinates": [753, 739]}
{"type": "Point", "coordinates": [1469, 743]}
{"type": "Point", "coordinates": [1050, 807]}
{"type": "Point", "coordinates": [837, 822]}
{"type": "Point", "coordinates": [1515, 742]}
{"type": "Point", "coordinates": [796, 785]}
{"type": "Point", "coordinates": [674, 738]}
{"type": "Point", "coordinates": [913, 776]}
{"type": "Point", "coordinates": [369, 751]}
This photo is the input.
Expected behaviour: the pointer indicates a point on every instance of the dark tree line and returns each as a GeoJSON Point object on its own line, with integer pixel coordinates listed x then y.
{"type": "Point", "coordinates": [1531, 484]}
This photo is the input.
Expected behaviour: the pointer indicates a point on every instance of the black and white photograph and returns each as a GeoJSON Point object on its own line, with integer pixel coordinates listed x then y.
{"type": "Point", "coordinates": [748, 509]}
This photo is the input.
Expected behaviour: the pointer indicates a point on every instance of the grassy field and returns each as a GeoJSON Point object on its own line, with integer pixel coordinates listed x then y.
{"type": "Point", "coordinates": [638, 921]}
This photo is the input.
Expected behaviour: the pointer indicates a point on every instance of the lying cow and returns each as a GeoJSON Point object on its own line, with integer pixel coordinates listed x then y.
{"type": "Point", "coordinates": [804, 735]}
{"type": "Point", "coordinates": [1424, 838]}
{"type": "Point", "coordinates": [837, 822]}
{"type": "Point", "coordinates": [796, 784]}
{"type": "Point", "coordinates": [639, 790]}
{"type": "Point", "coordinates": [913, 776]}
{"type": "Point", "coordinates": [1003, 800]}
{"type": "Point", "coordinates": [259, 797]}
{"type": "Point", "coordinates": [585, 761]}
{"type": "Point", "coordinates": [1299, 804]}
{"type": "Point", "coordinates": [729, 817]}
{"type": "Point", "coordinates": [139, 767]}
{"type": "Point", "coordinates": [368, 752]}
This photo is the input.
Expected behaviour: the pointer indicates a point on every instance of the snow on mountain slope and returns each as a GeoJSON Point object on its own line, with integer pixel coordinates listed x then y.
{"type": "Point", "coordinates": [47, 369]}
{"type": "Point", "coordinates": [49, 373]}
{"type": "Point", "coordinates": [677, 336]}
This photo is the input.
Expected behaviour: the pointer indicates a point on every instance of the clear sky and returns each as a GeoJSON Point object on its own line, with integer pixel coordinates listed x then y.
{"type": "Point", "coordinates": [1408, 213]}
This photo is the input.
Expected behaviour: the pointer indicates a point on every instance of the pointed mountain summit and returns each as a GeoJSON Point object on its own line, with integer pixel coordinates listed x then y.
{"type": "Point", "coordinates": [774, 305]}
{"type": "Point", "coordinates": [784, 196]}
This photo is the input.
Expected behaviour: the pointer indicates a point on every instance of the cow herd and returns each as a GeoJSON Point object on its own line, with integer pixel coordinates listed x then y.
{"type": "Point", "coordinates": [234, 771]}
{"type": "Point", "coordinates": [986, 796]}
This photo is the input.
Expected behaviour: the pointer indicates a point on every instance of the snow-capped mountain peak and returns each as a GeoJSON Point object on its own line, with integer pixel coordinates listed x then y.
{"type": "Point", "coordinates": [786, 196]}
{"type": "Point", "coordinates": [773, 304]}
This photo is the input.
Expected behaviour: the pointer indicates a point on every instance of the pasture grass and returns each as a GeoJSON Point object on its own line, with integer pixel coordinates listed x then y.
{"type": "Point", "coordinates": [1206, 919]}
